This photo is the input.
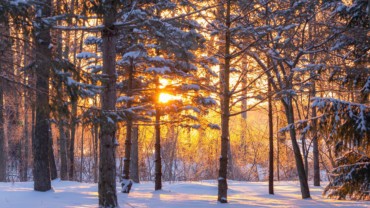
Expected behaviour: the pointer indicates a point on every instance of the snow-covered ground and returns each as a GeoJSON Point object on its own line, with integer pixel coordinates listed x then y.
{"type": "Point", "coordinates": [177, 195]}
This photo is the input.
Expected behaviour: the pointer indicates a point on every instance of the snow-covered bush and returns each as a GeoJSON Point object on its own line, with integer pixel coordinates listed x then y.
{"type": "Point", "coordinates": [351, 179]}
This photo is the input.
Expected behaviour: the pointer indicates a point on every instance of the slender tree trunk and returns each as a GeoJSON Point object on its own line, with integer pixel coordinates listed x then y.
{"type": "Point", "coordinates": [71, 158]}
{"type": "Point", "coordinates": [6, 93]}
{"type": "Point", "coordinates": [244, 120]}
{"type": "Point", "coordinates": [271, 141]}
{"type": "Point", "coordinates": [225, 113]}
{"type": "Point", "coordinates": [158, 159]}
{"type": "Point", "coordinates": [25, 153]}
{"type": "Point", "coordinates": [277, 149]}
{"type": "Point", "coordinates": [82, 151]}
{"type": "Point", "coordinates": [62, 151]}
{"type": "Point", "coordinates": [297, 153]}
{"type": "Point", "coordinates": [40, 147]}
{"type": "Point", "coordinates": [3, 155]}
{"type": "Point", "coordinates": [53, 166]}
{"type": "Point", "coordinates": [128, 143]}
{"type": "Point", "coordinates": [315, 144]}
{"type": "Point", "coordinates": [134, 167]}
{"type": "Point", "coordinates": [26, 100]}
{"type": "Point", "coordinates": [108, 141]}
{"type": "Point", "coordinates": [305, 154]}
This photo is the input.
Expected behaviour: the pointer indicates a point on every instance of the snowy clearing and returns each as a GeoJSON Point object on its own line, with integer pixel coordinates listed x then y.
{"type": "Point", "coordinates": [182, 194]}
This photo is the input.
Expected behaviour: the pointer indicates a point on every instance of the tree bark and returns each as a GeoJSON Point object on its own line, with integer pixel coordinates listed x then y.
{"type": "Point", "coordinates": [271, 141]}
{"type": "Point", "coordinates": [5, 62]}
{"type": "Point", "coordinates": [3, 155]}
{"type": "Point", "coordinates": [315, 143]}
{"type": "Point", "coordinates": [71, 157]}
{"type": "Point", "coordinates": [225, 113]}
{"type": "Point", "coordinates": [277, 148]}
{"type": "Point", "coordinates": [128, 143]}
{"type": "Point", "coordinates": [107, 166]}
{"type": "Point", "coordinates": [158, 159]}
{"type": "Point", "coordinates": [53, 166]}
{"type": "Point", "coordinates": [134, 167]}
{"type": "Point", "coordinates": [82, 152]}
{"type": "Point", "coordinates": [40, 147]}
{"type": "Point", "coordinates": [289, 112]}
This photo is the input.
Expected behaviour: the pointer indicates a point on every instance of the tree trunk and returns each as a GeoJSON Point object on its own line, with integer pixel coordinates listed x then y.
{"type": "Point", "coordinates": [3, 155]}
{"type": "Point", "coordinates": [297, 153]}
{"type": "Point", "coordinates": [71, 157]}
{"type": "Point", "coordinates": [108, 141]}
{"type": "Point", "coordinates": [82, 152]}
{"type": "Point", "coordinates": [244, 120]}
{"type": "Point", "coordinates": [53, 166]}
{"type": "Point", "coordinates": [158, 160]}
{"type": "Point", "coordinates": [315, 144]}
{"type": "Point", "coordinates": [305, 153]}
{"type": "Point", "coordinates": [271, 141]}
{"type": "Point", "coordinates": [40, 147]}
{"type": "Point", "coordinates": [225, 113]}
{"type": "Point", "coordinates": [316, 163]}
{"type": "Point", "coordinates": [127, 159]}
{"type": "Point", "coordinates": [134, 167]}
{"type": "Point", "coordinates": [62, 151]}
{"type": "Point", "coordinates": [6, 92]}
{"type": "Point", "coordinates": [277, 148]}
{"type": "Point", "coordinates": [24, 152]}
{"type": "Point", "coordinates": [26, 99]}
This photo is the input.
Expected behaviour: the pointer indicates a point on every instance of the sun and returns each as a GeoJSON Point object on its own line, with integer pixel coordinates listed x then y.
{"type": "Point", "coordinates": [165, 97]}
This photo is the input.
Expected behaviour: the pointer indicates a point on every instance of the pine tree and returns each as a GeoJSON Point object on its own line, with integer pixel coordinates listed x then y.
{"type": "Point", "coordinates": [40, 147]}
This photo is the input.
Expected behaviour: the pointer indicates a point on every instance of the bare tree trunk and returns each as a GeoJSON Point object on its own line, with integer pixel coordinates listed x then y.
{"type": "Point", "coordinates": [316, 163]}
{"type": "Point", "coordinates": [24, 152]}
{"type": "Point", "coordinates": [128, 143]}
{"type": "Point", "coordinates": [53, 166]}
{"type": "Point", "coordinates": [244, 120]}
{"type": "Point", "coordinates": [297, 153]}
{"type": "Point", "coordinates": [71, 158]}
{"type": "Point", "coordinates": [5, 60]}
{"type": "Point", "coordinates": [315, 143]}
{"type": "Point", "coordinates": [271, 141]}
{"type": "Point", "coordinates": [40, 144]}
{"type": "Point", "coordinates": [26, 99]}
{"type": "Point", "coordinates": [108, 141]}
{"type": "Point", "coordinates": [3, 155]}
{"type": "Point", "coordinates": [225, 113]}
{"type": "Point", "coordinates": [82, 151]}
{"type": "Point", "coordinates": [134, 167]}
{"type": "Point", "coordinates": [305, 153]}
{"type": "Point", "coordinates": [277, 148]}
{"type": "Point", "coordinates": [62, 151]}
{"type": "Point", "coordinates": [158, 160]}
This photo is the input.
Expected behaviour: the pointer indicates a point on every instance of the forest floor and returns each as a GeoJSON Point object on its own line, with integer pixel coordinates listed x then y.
{"type": "Point", "coordinates": [178, 195]}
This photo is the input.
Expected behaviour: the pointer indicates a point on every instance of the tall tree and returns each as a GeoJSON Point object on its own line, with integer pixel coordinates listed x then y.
{"type": "Point", "coordinates": [271, 141]}
{"type": "Point", "coordinates": [225, 110]}
{"type": "Point", "coordinates": [5, 63]}
{"type": "Point", "coordinates": [134, 166]}
{"type": "Point", "coordinates": [108, 141]}
{"type": "Point", "coordinates": [40, 144]}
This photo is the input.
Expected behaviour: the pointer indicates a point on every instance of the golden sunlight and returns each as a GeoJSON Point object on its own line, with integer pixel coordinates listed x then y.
{"type": "Point", "coordinates": [165, 97]}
